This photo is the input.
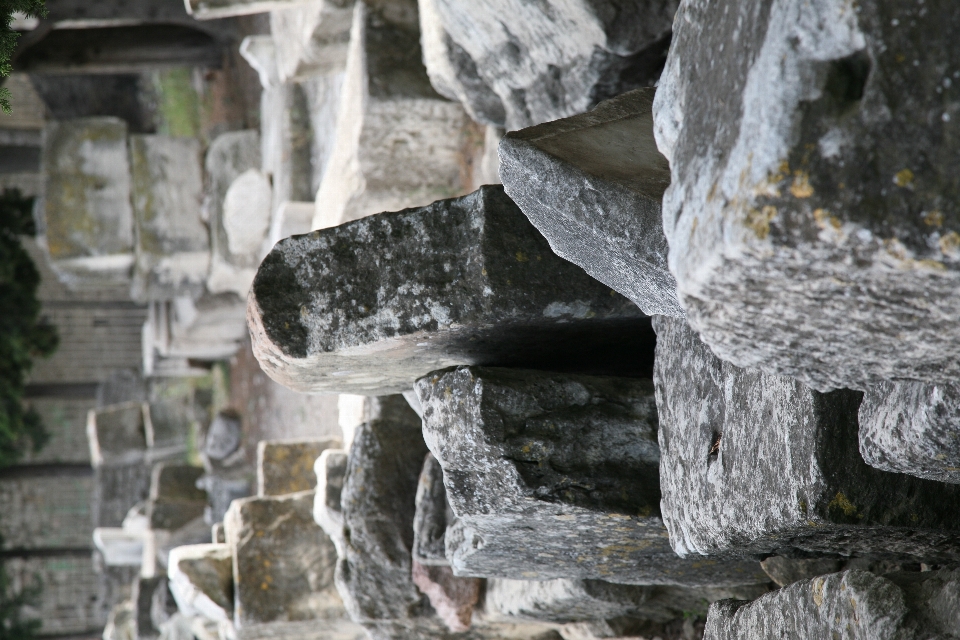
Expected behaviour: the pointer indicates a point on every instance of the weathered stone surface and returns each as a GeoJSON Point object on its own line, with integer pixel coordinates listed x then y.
{"type": "Point", "coordinates": [574, 458]}
{"type": "Point", "coordinates": [331, 468]}
{"type": "Point", "coordinates": [286, 146]}
{"type": "Point", "coordinates": [201, 580]}
{"type": "Point", "coordinates": [815, 233]}
{"type": "Point", "coordinates": [311, 38]}
{"type": "Point", "coordinates": [261, 54]}
{"type": "Point", "coordinates": [398, 143]}
{"type": "Point", "coordinates": [592, 185]}
{"type": "Point", "coordinates": [121, 623]}
{"type": "Point", "coordinates": [433, 515]}
{"type": "Point", "coordinates": [168, 423]}
{"type": "Point", "coordinates": [172, 243]}
{"type": "Point", "coordinates": [246, 213]}
{"type": "Point", "coordinates": [784, 571]}
{"type": "Point", "coordinates": [286, 466]}
{"type": "Point", "coordinates": [283, 562]}
{"type": "Point", "coordinates": [851, 604]}
{"type": "Point", "coordinates": [87, 214]}
{"type": "Point", "coordinates": [175, 499]}
{"type": "Point", "coordinates": [291, 218]}
{"type": "Point", "coordinates": [116, 434]}
{"type": "Point", "coordinates": [154, 606]}
{"type": "Point", "coordinates": [208, 328]}
{"type": "Point", "coordinates": [120, 548]}
{"type": "Point", "coordinates": [452, 598]}
{"type": "Point", "coordinates": [468, 280]}
{"type": "Point", "coordinates": [224, 436]}
{"type": "Point", "coordinates": [757, 463]}
{"type": "Point", "coordinates": [547, 61]}
{"type": "Point", "coordinates": [912, 427]}
{"type": "Point", "coordinates": [213, 9]}
{"type": "Point", "coordinates": [230, 155]}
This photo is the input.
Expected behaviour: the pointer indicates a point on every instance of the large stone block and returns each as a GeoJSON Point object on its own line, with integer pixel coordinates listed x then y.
{"type": "Point", "coordinates": [592, 185]}
{"type": "Point", "coordinates": [201, 580]}
{"type": "Point", "coordinates": [546, 61]}
{"type": "Point", "coordinates": [175, 499]}
{"type": "Point", "coordinates": [283, 563]}
{"type": "Point", "coordinates": [287, 146]}
{"type": "Point", "coordinates": [286, 466]}
{"type": "Point", "coordinates": [468, 280]}
{"type": "Point", "coordinates": [912, 427]}
{"type": "Point", "coordinates": [172, 243]}
{"type": "Point", "coordinates": [573, 458]}
{"type": "Point", "coordinates": [311, 38]}
{"type": "Point", "coordinates": [398, 143]}
{"type": "Point", "coordinates": [761, 464]}
{"type": "Point", "coordinates": [851, 604]}
{"type": "Point", "coordinates": [116, 434]}
{"type": "Point", "coordinates": [214, 9]}
{"type": "Point", "coordinates": [87, 214]}
{"type": "Point", "coordinates": [816, 234]}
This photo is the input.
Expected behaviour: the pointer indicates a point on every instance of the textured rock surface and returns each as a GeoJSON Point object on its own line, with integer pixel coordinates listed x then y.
{"type": "Point", "coordinates": [283, 563]}
{"type": "Point", "coordinates": [286, 466]}
{"type": "Point", "coordinates": [433, 515]}
{"type": "Point", "coordinates": [757, 463]}
{"type": "Point", "coordinates": [573, 458]}
{"type": "Point", "coordinates": [172, 243]}
{"type": "Point", "coordinates": [201, 580]}
{"type": "Point", "coordinates": [398, 143]}
{"type": "Point", "coordinates": [548, 61]}
{"type": "Point", "coordinates": [912, 427]}
{"type": "Point", "coordinates": [311, 38]}
{"type": "Point", "coordinates": [175, 499]}
{"type": "Point", "coordinates": [286, 144]}
{"type": "Point", "coordinates": [851, 604]}
{"type": "Point", "coordinates": [592, 185]}
{"type": "Point", "coordinates": [815, 233]}
{"type": "Point", "coordinates": [116, 434]}
{"type": "Point", "coordinates": [372, 305]}
{"type": "Point", "coordinates": [451, 597]}
{"type": "Point", "coordinates": [87, 218]}
{"type": "Point", "coordinates": [331, 468]}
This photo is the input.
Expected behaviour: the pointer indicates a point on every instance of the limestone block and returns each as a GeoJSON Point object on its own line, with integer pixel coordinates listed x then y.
{"type": "Point", "coordinates": [168, 424]}
{"type": "Point", "coordinates": [246, 212]}
{"type": "Point", "coordinates": [87, 212]}
{"type": "Point", "coordinates": [283, 563]}
{"type": "Point", "coordinates": [290, 219]}
{"type": "Point", "coordinates": [213, 9]}
{"type": "Point", "coordinates": [120, 548]}
{"type": "Point", "coordinates": [815, 233]}
{"type": "Point", "coordinates": [172, 243]}
{"type": "Point", "coordinates": [432, 516]}
{"type": "Point", "coordinates": [761, 464]}
{"type": "Point", "coordinates": [572, 457]}
{"type": "Point", "coordinates": [467, 280]}
{"type": "Point", "coordinates": [592, 185]}
{"type": "Point", "coordinates": [286, 466]}
{"type": "Point", "coordinates": [116, 434]}
{"type": "Point", "coordinates": [331, 468]}
{"type": "Point", "coordinates": [208, 328]}
{"type": "Point", "coordinates": [286, 146]}
{"type": "Point", "coordinates": [851, 604]}
{"type": "Point", "coordinates": [201, 580]}
{"type": "Point", "coordinates": [398, 143]}
{"type": "Point", "coordinates": [452, 598]}
{"type": "Point", "coordinates": [547, 61]}
{"type": "Point", "coordinates": [912, 427]}
{"type": "Point", "coordinates": [230, 155]}
{"type": "Point", "coordinates": [175, 499]}
{"type": "Point", "coordinates": [311, 38]}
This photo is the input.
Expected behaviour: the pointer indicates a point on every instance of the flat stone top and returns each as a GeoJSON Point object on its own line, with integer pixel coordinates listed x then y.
{"type": "Point", "coordinates": [613, 142]}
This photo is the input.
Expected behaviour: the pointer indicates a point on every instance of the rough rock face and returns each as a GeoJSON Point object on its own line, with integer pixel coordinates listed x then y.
{"type": "Point", "coordinates": [286, 466]}
{"type": "Point", "coordinates": [548, 61]}
{"type": "Point", "coordinates": [87, 217]}
{"type": "Point", "coordinates": [574, 458]}
{"type": "Point", "coordinates": [369, 306]}
{"type": "Point", "coordinates": [912, 427]}
{"type": "Point", "coordinates": [283, 562]}
{"type": "Point", "coordinates": [592, 185]}
{"type": "Point", "coordinates": [851, 604]}
{"type": "Point", "coordinates": [201, 580]}
{"type": "Point", "coordinates": [757, 463]}
{"type": "Point", "coordinates": [174, 499]}
{"type": "Point", "coordinates": [432, 517]}
{"type": "Point", "coordinates": [117, 435]}
{"type": "Point", "coordinates": [398, 143]}
{"type": "Point", "coordinates": [172, 243]}
{"type": "Point", "coordinates": [452, 598]}
{"type": "Point", "coordinates": [331, 468]}
{"type": "Point", "coordinates": [311, 38]}
{"type": "Point", "coordinates": [816, 233]}
{"type": "Point", "coordinates": [213, 9]}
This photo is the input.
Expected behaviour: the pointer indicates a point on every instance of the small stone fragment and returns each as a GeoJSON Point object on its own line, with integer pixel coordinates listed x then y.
{"type": "Point", "coordinates": [433, 515]}
{"type": "Point", "coordinates": [592, 185]}
{"type": "Point", "coordinates": [467, 280]}
{"type": "Point", "coordinates": [573, 458]}
{"type": "Point", "coordinates": [201, 580]}
{"type": "Point", "coordinates": [754, 463]}
{"type": "Point", "coordinates": [914, 428]}
{"type": "Point", "coordinates": [286, 466]}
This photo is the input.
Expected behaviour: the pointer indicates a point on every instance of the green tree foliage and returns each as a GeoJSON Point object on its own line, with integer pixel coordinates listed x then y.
{"type": "Point", "coordinates": [23, 335]}
{"type": "Point", "coordinates": [8, 37]}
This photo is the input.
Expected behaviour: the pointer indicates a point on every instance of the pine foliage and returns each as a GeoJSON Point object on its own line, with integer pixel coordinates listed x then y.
{"type": "Point", "coordinates": [8, 38]}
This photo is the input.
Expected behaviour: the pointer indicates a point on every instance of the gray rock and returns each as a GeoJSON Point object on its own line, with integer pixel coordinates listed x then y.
{"type": "Point", "coordinates": [761, 464]}
{"type": "Point", "coordinates": [784, 571]}
{"type": "Point", "coordinates": [223, 436]}
{"type": "Point", "coordinates": [201, 580]}
{"type": "Point", "coordinates": [467, 280]}
{"type": "Point", "coordinates": [286, 138]}
{"type": "Point", "coordinates": [592, 185]}
{"type": "Point", "coordinates": [154, 605]}
{"type": "Point", "coordinates": [816, 233]}
{"type": "Point", "coordinates": [331, 469]}
{"type": "Point", "coordinates": [851, 604]}
{"type": "Point", "coordinates": [912, 427]}
{"type": "Point", "coordinates": [175, 499]}
{"type": "Point", "coordinates": [222, 490]}
{"type": "Point", "coordinates": [433, 514]}
{"type": "Point", "coordinates": [286, 466]}
{"type": "Point", "coordinates": [116, 435]}
{"type": "Point", "coordinates": [283, 563]}
{"type": "Point", "coordinates": [452, 598]}
{"type": "Point", "coordinates": [546, 61]}
{"type": "Point", "coordinates": [573, 458]}
{"type": "Point", "coordinates": [168, 423]}
{"type": "Point", "coordinates": [172, 243]}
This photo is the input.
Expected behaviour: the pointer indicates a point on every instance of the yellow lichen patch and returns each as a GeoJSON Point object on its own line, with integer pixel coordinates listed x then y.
{"type": "Point", "coordinates": [950, 244]}
{"type": "Point", "coordinates": [522, 257]}
{"type": "Point", "coordinates": [843, 503]}
{"type": "Point", "coordinates": [895, 248]}
{"type": "Point", "coordinates": [759, 220]}
{"type": "Point", "coordinates": [483, 272]}
{"type": "Point", "coordinates": [933, 218]}
{"type": "Point", "coordinates": [801, 187]}
{"type": "Point", "coordinates": [904, 178]}
{"type": "Point", "coordinates": [824, 217]}
{"type": "Point", "coordinates": [818, 585]}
